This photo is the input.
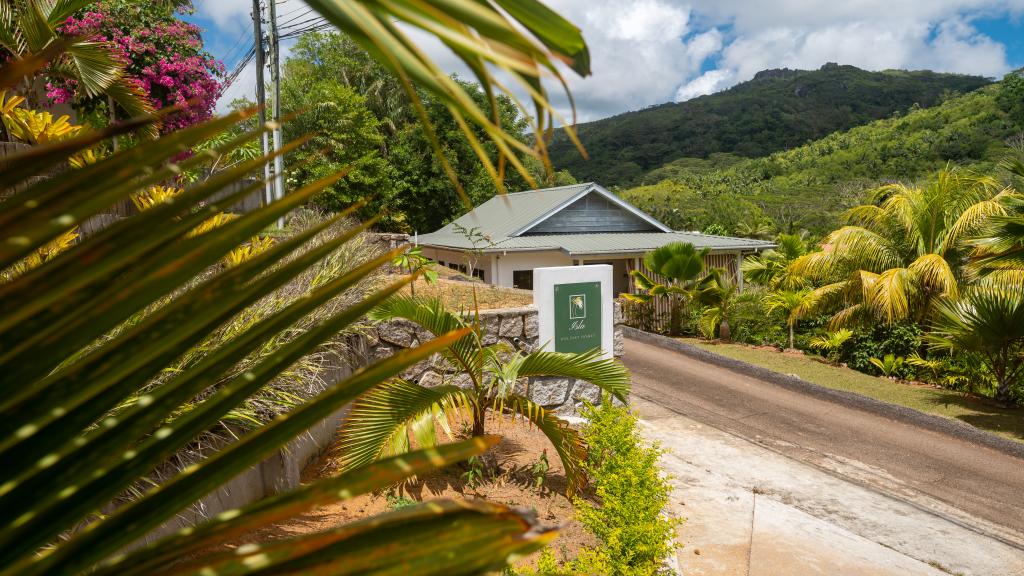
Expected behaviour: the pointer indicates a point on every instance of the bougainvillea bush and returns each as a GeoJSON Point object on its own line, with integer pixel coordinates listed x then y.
{"type": "Point", "coordinates": [162, 54]}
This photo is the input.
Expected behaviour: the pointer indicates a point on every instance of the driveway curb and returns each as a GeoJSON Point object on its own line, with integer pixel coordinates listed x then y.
{"type": "Point", "coordinates": [903, 414]}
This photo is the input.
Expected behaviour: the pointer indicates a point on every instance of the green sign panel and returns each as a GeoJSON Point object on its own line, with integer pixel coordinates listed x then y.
{"type": "Point", "coordinates": [577, 317]}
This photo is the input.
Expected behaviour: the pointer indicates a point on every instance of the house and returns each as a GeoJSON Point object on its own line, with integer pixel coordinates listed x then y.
{"type": "Point", "coordinates": [508, 236]}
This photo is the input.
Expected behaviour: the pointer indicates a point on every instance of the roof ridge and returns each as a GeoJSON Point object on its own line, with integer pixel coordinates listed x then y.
{"type": "Point", "coordinates": [543, 189]}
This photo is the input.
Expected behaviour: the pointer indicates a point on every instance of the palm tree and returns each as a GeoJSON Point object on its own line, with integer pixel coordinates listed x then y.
{"type": "Point", "coordinates": [383, 420]}
{"type": "Point", "coordinates": [771, 268]}
{"type": "Point", "coordinates": [795, 304]}
{"type": "Point", "coordinates": [905, 250]}
{"type": "Point", "coordinates": [677, 266]}
{"type": "Point", "coordinates": [988, 321]}
{"type": "Point", "coordinates": [831, 342]}
{"type": "Point", "coordinates": [28, 28]}
{"type": "Point", "coordinates": [719, 295]}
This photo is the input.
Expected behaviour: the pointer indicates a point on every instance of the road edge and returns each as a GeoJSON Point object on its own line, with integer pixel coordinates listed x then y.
{"type": "Point", "coordinates": [896, 412]}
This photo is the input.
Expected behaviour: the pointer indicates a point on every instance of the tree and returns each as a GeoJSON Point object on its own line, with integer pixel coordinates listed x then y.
{"type": "Point", "coordinates": [988, 321]}
{"type": "Point", "coordinates": [423, 187]}
{"type": "Point", "coordinates": [162, 55]}
{"type": "Point", "coordinates": [794, 304]}
{"type": "Point", "coordinates": [719, 294]}
{"type": "Point", "coordinates": [905, 250]}
{"type": "Point", "coordinates": [33, 28]}
{"type": "Point", "coordinates": [400, 164]}
{"type": "Point", "coordinates": [771, 268]}
{"type": "Point", "coordinates": [344, 135]}
{"type": "Point", "coordinates": [676, 267]}
{"type": "Point", "coordinates": [386, 419]}
{"type": "Point", "coordinates": [329, 55]}
{"type": "Point", "coordinates": [1011, 96]}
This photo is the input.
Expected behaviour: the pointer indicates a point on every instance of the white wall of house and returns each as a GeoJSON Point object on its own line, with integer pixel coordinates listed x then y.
{"type": "Point", "coordinates": [509, 262]}
{"type": "Point", "coordinates": [498, 268]}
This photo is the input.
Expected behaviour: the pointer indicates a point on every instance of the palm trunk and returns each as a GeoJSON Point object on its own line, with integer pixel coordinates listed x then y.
{"type": "Point", "coordinates": [791, 338]}
{"type": "Point", "coordinates": [675, 316]}
{"type": "Point", "coordinates": [479, 414]}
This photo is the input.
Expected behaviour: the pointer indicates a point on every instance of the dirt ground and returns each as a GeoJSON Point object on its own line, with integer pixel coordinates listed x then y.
{"type": "Point", "coordinates": [456, 290]}
{"type": "Point", "coordinates": [513, 485]}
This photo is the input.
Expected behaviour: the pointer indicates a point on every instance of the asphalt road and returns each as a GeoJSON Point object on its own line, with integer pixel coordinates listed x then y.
{"type": "Point", "coordinates": [975, 486]}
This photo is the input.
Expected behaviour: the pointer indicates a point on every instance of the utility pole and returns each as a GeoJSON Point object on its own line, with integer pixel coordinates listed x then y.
{"type": "Point", "coordinates": [275, 77]}
{"type": "Point", "coordinates": [261, 97]}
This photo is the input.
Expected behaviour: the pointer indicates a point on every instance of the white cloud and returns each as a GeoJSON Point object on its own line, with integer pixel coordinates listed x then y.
{"type": "Point", "coordinates": [707, 83]}
{"type": "Point", "coordinates": [228, 15]}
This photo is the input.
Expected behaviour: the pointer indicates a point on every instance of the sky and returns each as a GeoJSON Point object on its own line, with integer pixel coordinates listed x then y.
{"type": "Point", "coordinates": [647, 52]}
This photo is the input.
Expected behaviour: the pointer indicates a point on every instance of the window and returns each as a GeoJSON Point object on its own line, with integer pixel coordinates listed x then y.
{"type": "Point", "coordinates": [458, 267]}
{"type": "Point", "coordinates": [478, 273]}
{"type": "Point", "coordinates": [440, 262]}
{"type": "Point", "coordinates": [522, 279]}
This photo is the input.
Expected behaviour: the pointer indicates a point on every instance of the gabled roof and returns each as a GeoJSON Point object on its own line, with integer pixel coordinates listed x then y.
{"type": "Point", "coordinates": [506, 221]}
{"type": "Point", "coordinates": [511, 215]}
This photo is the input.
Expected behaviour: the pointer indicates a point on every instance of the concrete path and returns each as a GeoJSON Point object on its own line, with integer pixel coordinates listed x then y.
{"type": "Point", "coordinates": [776, 482]}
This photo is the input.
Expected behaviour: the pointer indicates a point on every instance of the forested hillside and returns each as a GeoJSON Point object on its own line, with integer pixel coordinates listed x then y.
{"type": "Point", "coordinates": [809, 186]}
{"type": "Point", "coordinates": [777, 110]}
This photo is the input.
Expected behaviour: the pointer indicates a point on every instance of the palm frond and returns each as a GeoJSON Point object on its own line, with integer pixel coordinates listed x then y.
{"type": "Point", "coordinates": [607, 373]}
{"type": "Point", "coordinates": [382, 419]}
{"type": "Point", "coordinates": [567, 442]}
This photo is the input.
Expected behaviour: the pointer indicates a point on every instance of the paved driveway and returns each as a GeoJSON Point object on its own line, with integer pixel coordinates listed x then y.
{"type": "Point", "coordinates": [774, 481]}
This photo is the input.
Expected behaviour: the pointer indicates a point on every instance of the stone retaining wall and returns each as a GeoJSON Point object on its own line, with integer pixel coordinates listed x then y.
{"type": "Point", "coordinates": [280, 472]}
{"type": "Point", "coordinates": [516, 327]}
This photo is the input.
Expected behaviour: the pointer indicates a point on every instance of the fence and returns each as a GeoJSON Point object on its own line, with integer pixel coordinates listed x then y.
{"type": "Point", "coordinates": [654, 316]}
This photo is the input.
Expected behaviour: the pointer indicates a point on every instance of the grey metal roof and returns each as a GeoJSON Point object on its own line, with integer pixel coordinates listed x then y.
{"type": "Point", "coordinates": [504, 218]}
{"type": "Point", "coordinates": [609, 243]}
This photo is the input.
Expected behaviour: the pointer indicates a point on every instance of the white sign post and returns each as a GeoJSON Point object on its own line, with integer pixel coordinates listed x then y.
{"type": "Point", "coordinates": [574, 308]}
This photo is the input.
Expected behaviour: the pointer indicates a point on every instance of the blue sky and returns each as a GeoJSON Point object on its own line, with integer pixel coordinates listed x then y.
{"type": "Point", "coordinates": [647, 52]}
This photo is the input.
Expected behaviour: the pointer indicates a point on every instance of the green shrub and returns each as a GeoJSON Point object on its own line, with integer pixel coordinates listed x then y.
{"type": "Point", "coordinates": [631, 495]}
{"type": "Point", "coordinates": [898, 340]}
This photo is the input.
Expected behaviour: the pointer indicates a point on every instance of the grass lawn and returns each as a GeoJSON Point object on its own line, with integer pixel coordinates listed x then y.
{"type": "Point", "coordinates": [976, 412]}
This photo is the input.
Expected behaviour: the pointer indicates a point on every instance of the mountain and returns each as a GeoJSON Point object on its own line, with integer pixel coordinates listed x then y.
{"type": "Point", "coordinates": [777, 110]}
{"type": "Point", "coordinates": [808, 187]}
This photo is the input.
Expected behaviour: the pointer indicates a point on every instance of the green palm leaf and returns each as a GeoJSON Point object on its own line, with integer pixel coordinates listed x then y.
{"type": "Point", "coordinates": [607, 373]}
{"type": "Point", "coordinates": [381, 420]}
{"type": "Point", "coordinates": [567, 442]}
{"type": "Point", "coordinates": [345, 486]}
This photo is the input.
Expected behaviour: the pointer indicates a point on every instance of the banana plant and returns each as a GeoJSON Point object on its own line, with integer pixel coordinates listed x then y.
{"type": "Point", "coordinates": [388, 418]}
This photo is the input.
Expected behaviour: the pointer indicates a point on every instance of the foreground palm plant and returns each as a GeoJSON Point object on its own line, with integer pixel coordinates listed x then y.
{"type": "Point", "coordinates": [66, 457]}
{"type": "Point", "coordinates": [385, 419]}
{"type": "Point", "coordinates": [905, 250]}
{"type": "Point", "coordinates": [987, 321]}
